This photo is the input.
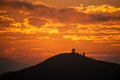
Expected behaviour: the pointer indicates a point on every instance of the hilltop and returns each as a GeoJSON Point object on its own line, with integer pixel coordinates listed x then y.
{"type": "Point", "coordinates": [67, 66]}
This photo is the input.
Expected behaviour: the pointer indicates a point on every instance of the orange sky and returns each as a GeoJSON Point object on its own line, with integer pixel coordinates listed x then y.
{"type": "Point", "coordinates": [33, 30]}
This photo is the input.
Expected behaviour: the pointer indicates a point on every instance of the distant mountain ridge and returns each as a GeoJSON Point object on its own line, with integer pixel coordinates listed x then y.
{"type": "Point", "coordinates": [67, 66]}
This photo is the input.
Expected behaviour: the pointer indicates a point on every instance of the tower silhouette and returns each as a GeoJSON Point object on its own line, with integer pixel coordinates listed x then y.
{"type": "Point", "coordinates": [73, 51]}
{"type": "Point", "coordinates": [83, 54]}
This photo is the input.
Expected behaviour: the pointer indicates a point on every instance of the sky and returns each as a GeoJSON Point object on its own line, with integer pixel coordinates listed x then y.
{"type": "Point", "coordinates": [34, 30]}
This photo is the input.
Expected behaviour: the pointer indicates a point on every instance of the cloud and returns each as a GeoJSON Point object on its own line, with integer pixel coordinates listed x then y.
{"type": "Point", "coordinates": [6, 21]}
{"type": "Point", "coordinates": [17, 4]}
{"type": "Point", "coordinates": [97, 9]}
{"type": "Point", "coordinates": [96, 14]}
{"type": "Point", "coordinates": [22, 17]}
{"type": "Point", "coordinates": [117, 45]}
{"type": "Point", "coordinates": [23, 38]}
{"type": "Point", "coordinates": [68, 3]}
{"type": "Point", "coordinates": [93, 38]}
{"type": "Point", "coordinates": [38, 22]}
{"type": "Point", "coordinates": [27, 28]}
{"type": "Point", "coordinates": [36, 29]}
{"type": "Point", "coordinates": [81, 14]}
{"type": "Point", "coordinates": [36, 49]}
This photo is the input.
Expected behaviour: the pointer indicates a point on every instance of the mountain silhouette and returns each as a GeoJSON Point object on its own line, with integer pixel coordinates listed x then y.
{"type": "Point", "coordinates": [67, 66]}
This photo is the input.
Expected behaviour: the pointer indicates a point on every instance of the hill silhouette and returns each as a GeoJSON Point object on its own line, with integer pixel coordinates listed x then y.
{"type": "Point", "coordinates": [67, 67]}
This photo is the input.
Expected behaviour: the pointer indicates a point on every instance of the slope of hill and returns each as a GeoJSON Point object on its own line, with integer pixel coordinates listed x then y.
{"type": "Point", "coordinates": [67, 67]}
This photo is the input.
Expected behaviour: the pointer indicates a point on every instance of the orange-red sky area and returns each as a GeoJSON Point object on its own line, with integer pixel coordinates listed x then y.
{"type": "Point", "coordinates": [33, 30]}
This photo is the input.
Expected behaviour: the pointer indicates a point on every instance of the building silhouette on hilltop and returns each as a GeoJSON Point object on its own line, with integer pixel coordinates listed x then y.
{"type": "Point", "coordinates": [73, 52]}
{"type": "Point", "coordinates": [83, 54]}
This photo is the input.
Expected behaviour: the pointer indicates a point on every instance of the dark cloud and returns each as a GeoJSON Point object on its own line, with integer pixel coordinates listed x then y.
{"type": "Point", "coordinates": [17, 4]}
{"type": "Point", "coordinates": [70, 15]}
{"type": "Point", "coordinates": [67, 3]}
{"type": "Point", "coordinates": [37, 21]}
{"type": "Point", "coordinates": [103, 17]}
{"type": "Point", "coordinates": [66, 15]}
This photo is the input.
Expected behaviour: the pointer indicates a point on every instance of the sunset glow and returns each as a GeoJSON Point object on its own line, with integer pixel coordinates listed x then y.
{"type": "Point", "coordinates": [33, 30]}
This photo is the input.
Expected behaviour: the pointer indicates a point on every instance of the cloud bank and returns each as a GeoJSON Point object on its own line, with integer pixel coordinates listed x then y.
{"type": "Point", "coordinates": [90, 22]}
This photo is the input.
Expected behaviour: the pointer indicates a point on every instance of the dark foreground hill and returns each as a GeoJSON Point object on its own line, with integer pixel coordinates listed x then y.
{"type": "Point", "coordinates": [67, 67]}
